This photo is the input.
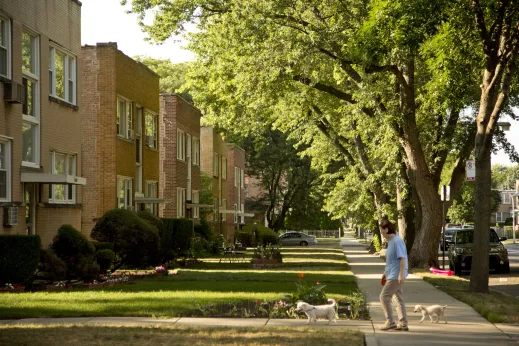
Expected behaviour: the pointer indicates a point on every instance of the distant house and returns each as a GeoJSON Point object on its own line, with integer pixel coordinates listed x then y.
{"type": "Point", "coordinates": [504, 210]}
{"type": "Point", "coordinates": [214, 163]}
{"type": "Point", "coordinates": [121, 139]}
{"type": "Point", "coordinates": [179, 158]}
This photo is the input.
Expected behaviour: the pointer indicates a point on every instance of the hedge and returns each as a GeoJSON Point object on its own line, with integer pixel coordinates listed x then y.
{"type": "Point", "coordinates": [19, 256]}
{"type": "Point", "coordinates": [261, 235]}
{"type": "Point", "coordinates": [175, 238]}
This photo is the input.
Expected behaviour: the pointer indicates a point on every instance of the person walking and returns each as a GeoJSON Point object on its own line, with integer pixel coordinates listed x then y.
{"type": "Point", "coordinates": [393, 278]}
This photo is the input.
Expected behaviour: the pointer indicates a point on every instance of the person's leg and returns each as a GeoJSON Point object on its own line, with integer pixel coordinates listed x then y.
{"type": "Point", "coordinates": [386, 295]}
{"type": "Point", "coordinates": [398, 300]}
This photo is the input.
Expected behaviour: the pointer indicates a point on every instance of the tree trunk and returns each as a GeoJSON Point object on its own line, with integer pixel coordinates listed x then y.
{"type": "Point", "coordinates": [480, 265]}
{"type": "Point", "coordinates": [402, 226]}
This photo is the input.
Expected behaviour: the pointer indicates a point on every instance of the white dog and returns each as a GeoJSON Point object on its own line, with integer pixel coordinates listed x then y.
{"type": "Point", "coordinates": [438, 310]}
{"type": "Point", "coordinates": [318, 311]}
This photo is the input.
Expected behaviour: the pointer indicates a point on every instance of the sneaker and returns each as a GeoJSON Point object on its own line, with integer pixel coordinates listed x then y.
{"type": "Point", "coordinates": [402, 326]}
{"type": "Point", "coordinates": [388, 325]}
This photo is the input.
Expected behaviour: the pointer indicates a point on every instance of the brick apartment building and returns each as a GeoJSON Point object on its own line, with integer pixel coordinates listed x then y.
{"type": "Point", "coordinates": [180, 157]}
{"type": "Point", "coordinates": [120, 119]}
{"type": "Point", "coordinates": [236, 187]}
{"type": "Point", "coordinates": [214, 163]}
{"type": "Point", "coordinates": [40, 122]}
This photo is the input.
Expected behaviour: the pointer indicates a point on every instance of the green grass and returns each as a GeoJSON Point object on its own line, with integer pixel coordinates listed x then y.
{"type": "Point", "coordinates": [43, 335]}
{"type": "Point", "coordinates": [198, 290]}
{"type": "Point", "coordinates": [494, 306]}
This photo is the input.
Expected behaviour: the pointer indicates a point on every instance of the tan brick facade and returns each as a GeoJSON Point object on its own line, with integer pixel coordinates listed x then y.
{"type": "Point", "coordinates": [52, 24]}
{"type": "Point", "coordinates": [211, 144]}
{"type": "Point", "coordinates": [108, 78]}
{"type": "Point", "coordinates": [178, 116]}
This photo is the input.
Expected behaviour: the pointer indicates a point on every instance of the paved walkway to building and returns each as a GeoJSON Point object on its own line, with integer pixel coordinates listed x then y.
{"type": "Point", "coordinates": [465, 327]}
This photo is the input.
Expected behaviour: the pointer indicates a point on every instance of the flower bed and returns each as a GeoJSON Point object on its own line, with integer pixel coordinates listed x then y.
{"type": "Point", "coordinates": [12, 288]}
{"type": "Point", "coordinates": [264, 263]}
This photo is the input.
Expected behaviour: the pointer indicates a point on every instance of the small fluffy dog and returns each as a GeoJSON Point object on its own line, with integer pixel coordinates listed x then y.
{"type": "Point", "coordinates": [438, 310]}
{"type": "Point", "coordinates": [318, 311]}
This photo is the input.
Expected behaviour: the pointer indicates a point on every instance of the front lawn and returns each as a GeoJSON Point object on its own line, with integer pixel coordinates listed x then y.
{"type": "Point", "coordinates": [42, 335]}
{"type": "Point", "coordinates": [204, 289]}
{"type": "Point", "coordinates": [494, 306]}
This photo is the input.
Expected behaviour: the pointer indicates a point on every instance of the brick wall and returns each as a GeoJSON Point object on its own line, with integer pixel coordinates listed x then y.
{"type": "Point", "coordinates": [107, 74]}
{"type": "Point", "coordinates": [235, 195]}
{"type": "Point", "coordinates": [176, 113]}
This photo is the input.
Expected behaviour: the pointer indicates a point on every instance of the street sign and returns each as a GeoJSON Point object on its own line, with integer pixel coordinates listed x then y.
{"type": "Point", "coordinates": [446, 193]}
{"type": "Point", "coordinates": [470, 167]}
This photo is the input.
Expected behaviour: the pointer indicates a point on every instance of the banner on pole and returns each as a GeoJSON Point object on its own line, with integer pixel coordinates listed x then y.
{"type": "Point", "coordinates": [470, 167]}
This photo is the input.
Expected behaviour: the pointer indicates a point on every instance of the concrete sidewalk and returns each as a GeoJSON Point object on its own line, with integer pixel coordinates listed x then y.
{"type": "Point", "coordinates": [465, 327]}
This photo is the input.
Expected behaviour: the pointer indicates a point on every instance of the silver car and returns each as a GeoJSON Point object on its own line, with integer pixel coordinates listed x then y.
{"type": "Point", "coordinates": [297, 239]}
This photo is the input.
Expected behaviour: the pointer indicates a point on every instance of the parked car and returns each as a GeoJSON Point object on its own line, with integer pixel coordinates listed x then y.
{"type": "Point", "coordinates": [448, 237]}
{"type": "Point", "coordinates": [297, 239]}
{"type": "Point", "coordinates": [460, 252]}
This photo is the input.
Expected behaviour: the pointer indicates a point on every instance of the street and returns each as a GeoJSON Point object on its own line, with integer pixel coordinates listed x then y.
{"type": "Point", "coordinates": [505, 283]}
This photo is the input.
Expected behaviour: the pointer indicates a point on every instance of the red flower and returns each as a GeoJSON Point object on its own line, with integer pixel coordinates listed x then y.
{"type": "Point", "coordinates": [258, 302]}
{"type": "Point", "coordinates": [301, 275]}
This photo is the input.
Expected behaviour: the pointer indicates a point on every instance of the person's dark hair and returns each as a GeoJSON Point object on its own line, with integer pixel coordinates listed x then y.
{"type": "Point", "coordinates": [386, 224]}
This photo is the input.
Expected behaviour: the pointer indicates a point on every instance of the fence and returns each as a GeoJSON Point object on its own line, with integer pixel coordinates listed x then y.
{"type": "Point", "coordinates": [322, 233]}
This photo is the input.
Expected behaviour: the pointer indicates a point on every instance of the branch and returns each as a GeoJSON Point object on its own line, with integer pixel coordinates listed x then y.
{"type": "Point", "coordinates": [480, 25]}
{"type": "Point", "coordinates": [440, 156]}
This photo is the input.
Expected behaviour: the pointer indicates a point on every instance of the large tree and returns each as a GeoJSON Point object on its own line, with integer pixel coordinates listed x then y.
{"type": "Point", "coordinates": [497, 22]}
{"type": "Point", "coordinates": [368, 75]}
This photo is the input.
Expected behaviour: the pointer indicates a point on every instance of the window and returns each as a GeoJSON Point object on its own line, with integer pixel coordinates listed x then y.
{"type": "Point", "coordinates": [66, 165]}
{"type": "Point", "coordinates": [196, 199]}
{"type": "Point", "coordinates": [30, 108]}
{"type": "Point", "coordinates": [242, 178]}
{"type": "Point", "coordinates": [505, 196]}
{"type": "Point", "coordinates": [196, 151]}
{"type": "Point", "coordinates": [124, 193]}
{"type": "Point", "coordinates": [5, 47]}
{"type": "Point", "coordinates": [5, 170]}
{"type": "Point", "coordinates": [235, 213]}
{"type": "Point", "coordinates": [224, 167]}
{"type": "Point", "coordinates": [181, 145]}
{"type": "Point", "coordinates": [243, 211]}
{"type": "Point", "coordinates": [181, 202]}
{"type": "Point", "coordinates": [124, 118]}
{"type": "Point", "coordinates": [62, 75]}
{"type": "Point", "coordinates": [236, 176]}
{"type": "Point", "coordinates": [152, 192]}
{"type": "Point", "coordinates": [215, 165]}
{"type": "Point", "coordinates": [151, 130]}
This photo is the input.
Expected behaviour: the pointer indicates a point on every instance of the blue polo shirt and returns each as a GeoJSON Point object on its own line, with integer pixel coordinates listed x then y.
{"type": "Point", "coordinates": [395, 251]}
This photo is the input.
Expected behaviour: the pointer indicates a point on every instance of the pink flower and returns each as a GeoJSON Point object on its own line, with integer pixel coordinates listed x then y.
{"type": "Point", "coordinates": [318, 283]}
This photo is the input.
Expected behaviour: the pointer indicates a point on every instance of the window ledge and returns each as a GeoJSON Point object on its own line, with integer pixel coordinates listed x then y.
{"type": "Point", "coordinates": [63, 103]}
{"type": "Point", "coordinates": [124, 139]}
{"type": "Point", "coordinates": [5, 79]}
{"type": "Point", "coordinates": [10, 204]}
{"type": "Point", "coordinates": [61, 205]}
{"type": "Point", "coordinates": [152, 149]}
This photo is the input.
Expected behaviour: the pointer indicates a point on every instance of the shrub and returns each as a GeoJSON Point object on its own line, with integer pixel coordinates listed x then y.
{"type": "Point", "coordinates": [51, 267]}
{"type": "Point", "coordinates": [175, 238]}
{"type": "Point", "coordinates": [311, 294]}
{"type": "Point", "coordinates": [102, 245]}
{"type": "Point", "coordinates": [204, 230]}
{"type": "Point", "coordinates": [135, 241]}
{"type": "Point", "coordinates": [152, 219]}
{"type": "Point", "coordinates": [105, 259]}
{"type": "Point", "coordinates": [261, 235]}
{"type": "Point", "coordinates": [244, 237]}
{"type": "Point", "coordinates": [376, 243]}
{"type": "Point", "coordinates": [69, 244]}
{"type": "Point", "coordinates": [19, 256]}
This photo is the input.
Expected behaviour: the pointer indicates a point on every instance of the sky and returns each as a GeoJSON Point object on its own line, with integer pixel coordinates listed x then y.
{"type": "Point", "coordinates": [106, 21]}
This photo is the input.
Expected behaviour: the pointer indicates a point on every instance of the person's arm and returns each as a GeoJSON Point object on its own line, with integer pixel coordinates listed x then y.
{"type": "Point", "coordinates": [401, 276]}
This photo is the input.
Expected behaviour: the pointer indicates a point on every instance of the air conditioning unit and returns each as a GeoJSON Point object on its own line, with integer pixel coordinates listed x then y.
{"type": "Point", "coordinates": [10, 216]}
{"type": "Point", "coordinates": [14, 92]}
